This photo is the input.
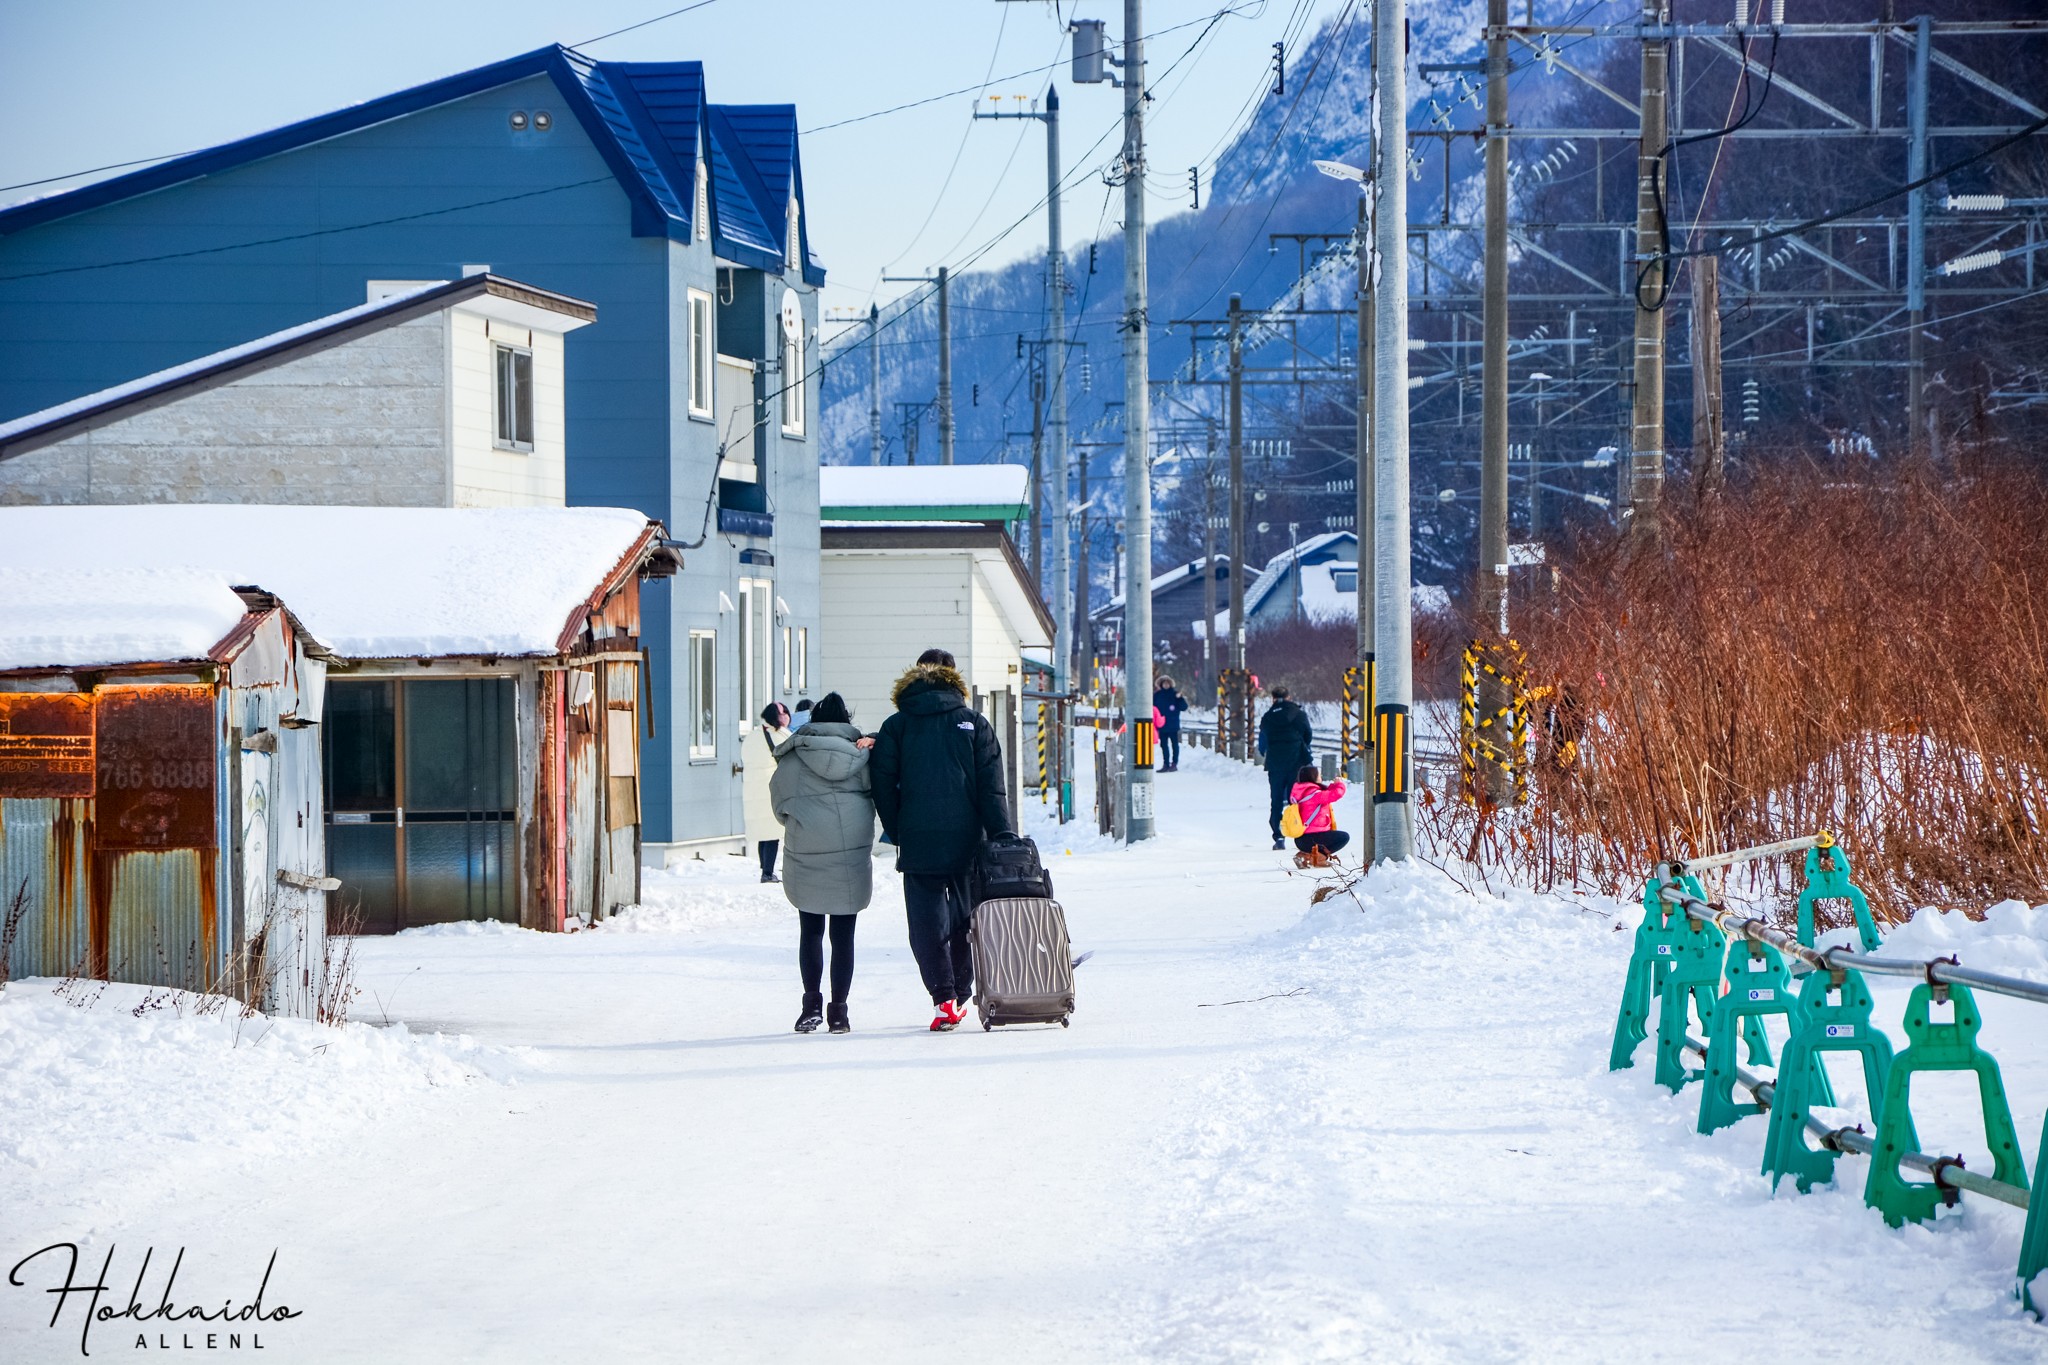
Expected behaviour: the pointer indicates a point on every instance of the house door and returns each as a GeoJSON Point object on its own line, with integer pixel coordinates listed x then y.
{"type": "Point", "coordinates": [422, 797]}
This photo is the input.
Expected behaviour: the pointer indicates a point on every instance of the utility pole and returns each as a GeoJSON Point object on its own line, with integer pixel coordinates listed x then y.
{"type": "Point", "coordinates": [1708, 432]}
{"type": "Point", "coordinates": [1646, 450]}
{"type": "Point", "coordinates": [1037, 478]}
{"type": "Point", "coordinates": [945, 370]}
{"type": "Point", "coordinates": [1209, 651]}
{"type": "Point", "coordinates": [1493, 398]}
{"type": "Point", "coordinates": [875, 384]}
{"type": "Point", "coordinates": [1393, 822]}
{"type": "Point", "coordinates": [1238, 739]}
{"type": "Point", "coordinates": [1367, 605]}
{"type": "Point", "coordinates": [1056, 427]}
{"type": "Point", "coordinates": [1137, 440]}
{"type": "Point", "coordinates": [944, 401]}
{"type": "Point", "coordinates": [1916, 245]}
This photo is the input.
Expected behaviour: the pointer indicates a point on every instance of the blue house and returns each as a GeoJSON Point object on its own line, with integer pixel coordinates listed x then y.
{"type": "Point", "coordinates": [693, 399]}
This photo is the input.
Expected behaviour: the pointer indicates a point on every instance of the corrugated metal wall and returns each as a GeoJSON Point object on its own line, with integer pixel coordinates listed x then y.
{"type": "Point", "coordinates": [43, 855]}
{"type": "Point", "coordinates": [163, 919]}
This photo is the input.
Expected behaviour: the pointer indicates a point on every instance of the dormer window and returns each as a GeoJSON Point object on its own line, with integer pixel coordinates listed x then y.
{"type": "Point", "coordinates": [703, 199]}
{"type": "Point", "coordinates": [794, 255]}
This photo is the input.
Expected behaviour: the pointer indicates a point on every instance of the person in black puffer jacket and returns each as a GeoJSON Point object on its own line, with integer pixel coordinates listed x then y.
{"type": "Point", "coordinates": [1288, 742]}
{"type": "Point", "coordinates": [937, 775]}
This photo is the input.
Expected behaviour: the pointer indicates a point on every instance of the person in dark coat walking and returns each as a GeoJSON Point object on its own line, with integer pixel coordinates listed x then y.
{"type": "Point", "coordinates": [1288, 742]}
{"type": "Point", "coordinates": [937, 776]}
{"type": "Point", "coordinates": [1169, 703]}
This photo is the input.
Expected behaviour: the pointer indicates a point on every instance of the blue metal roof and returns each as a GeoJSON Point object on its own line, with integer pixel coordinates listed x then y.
{"type": "Point", "coordinates": [643, 117]}
{"type": "Point", "coordinates": [766, 138]}
{"type": "Point", "coordinates": [746, 233]}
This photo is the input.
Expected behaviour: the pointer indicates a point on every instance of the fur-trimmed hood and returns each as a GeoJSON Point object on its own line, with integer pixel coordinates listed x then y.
{"type": "Point", "coordinates": [922, 678]}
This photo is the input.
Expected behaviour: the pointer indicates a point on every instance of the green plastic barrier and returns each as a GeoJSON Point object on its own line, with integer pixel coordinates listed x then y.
{"type": "Point", "coordinates": [1841, 1024]}
{"type": "Point", "coordinates": [2034, 1241]}
{"type": "Point", "coordinates": [1827, 879]}
{"type": "Point", "coordinates": [1937, 1047]}
{"type": "Point", "coordinates": [1758, 987]}
{"type": "Point", "coordinates": [1649, 962]}
{"type": "Point", "coordinates": [1697, 951]}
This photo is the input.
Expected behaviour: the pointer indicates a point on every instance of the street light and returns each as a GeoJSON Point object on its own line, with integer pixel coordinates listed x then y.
{"type": "Point", "coordinates": [1339, 170]}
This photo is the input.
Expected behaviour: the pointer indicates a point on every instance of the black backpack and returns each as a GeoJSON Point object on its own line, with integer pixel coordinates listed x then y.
{"type": "Point", "coordinates": [1008, 868]}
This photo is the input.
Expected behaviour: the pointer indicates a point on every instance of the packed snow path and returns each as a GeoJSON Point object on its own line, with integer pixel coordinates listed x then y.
{"type": "Point", "coordinates": [1367, 1131]}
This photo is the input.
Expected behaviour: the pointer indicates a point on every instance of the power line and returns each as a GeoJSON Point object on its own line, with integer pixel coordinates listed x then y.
{"type": "Point", "coordinates": [1014, 76]}
{"type": "Point", "coordinates": [114, 166]}
{"type": "Point", "coordinates": [642, 24]}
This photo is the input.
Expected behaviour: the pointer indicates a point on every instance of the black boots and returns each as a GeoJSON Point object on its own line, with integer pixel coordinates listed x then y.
{"type": "Point", "coordinates": [808, 1021]}
{"type": "Point", "coordinates": [835, 1018]}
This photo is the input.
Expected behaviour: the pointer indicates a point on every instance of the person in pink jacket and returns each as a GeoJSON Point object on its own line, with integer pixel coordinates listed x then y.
{"type": "Point", "coordinates": [1320, 836]}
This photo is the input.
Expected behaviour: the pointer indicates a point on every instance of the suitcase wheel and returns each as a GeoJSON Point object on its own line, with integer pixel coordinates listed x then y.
{"type": "Point", "coordinates": [1063, 1021]}
{"type": "Point", "coordinates": [986, 1025]}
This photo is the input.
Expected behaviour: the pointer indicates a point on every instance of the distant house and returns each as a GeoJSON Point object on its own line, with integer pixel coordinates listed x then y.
{"type": "Point", "coordinates": [160, 790]}
{"type": "Point", "coordinates": [919, 558]}
{"type": "Point", "coordinates": [1177, 602]}
{"type": "Point", "coordinates": [682, 221]}
{"type": "Point", "coordinates": [434, 394]}
{"type": "Point", "coordinates": [1317, 581]}
{"type": "Point", "coordinates": [483, 721]}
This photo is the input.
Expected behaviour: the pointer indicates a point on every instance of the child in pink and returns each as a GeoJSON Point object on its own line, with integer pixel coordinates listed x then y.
{"type": "Point", "coordinates": [1320, 835]}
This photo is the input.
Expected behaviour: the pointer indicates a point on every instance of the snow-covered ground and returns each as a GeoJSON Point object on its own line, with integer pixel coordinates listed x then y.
{"type": "Point", "coordinates": [1377, 1128]}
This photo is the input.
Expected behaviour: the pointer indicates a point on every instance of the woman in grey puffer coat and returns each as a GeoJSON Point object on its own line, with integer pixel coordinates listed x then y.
{"type": "Point", "coordinates": [820, 794]}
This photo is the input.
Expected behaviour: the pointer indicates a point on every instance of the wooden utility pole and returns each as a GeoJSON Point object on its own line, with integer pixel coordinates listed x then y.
{"type": "Point", "coordinates": [1366, 605]}
{"type": "Point", "coordinates": [1708, 438]}
{"type": "Point", "coordinates": [1646, 454]}
{"type": "Point", "coordinates": [1493, 397]}
{"type": "Point", "coordinates": [1238, 740]}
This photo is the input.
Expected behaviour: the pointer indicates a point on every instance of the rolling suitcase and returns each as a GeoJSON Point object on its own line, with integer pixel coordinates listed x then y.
{"type": "Point", "coordinates": [1023, 963]}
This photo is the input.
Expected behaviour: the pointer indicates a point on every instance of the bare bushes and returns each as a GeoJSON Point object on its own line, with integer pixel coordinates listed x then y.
{"type": "Point", "coordinates": [1861, 651]}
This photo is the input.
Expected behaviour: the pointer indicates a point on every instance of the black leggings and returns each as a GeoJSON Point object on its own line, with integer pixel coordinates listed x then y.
{"type": "Point", "coordinates": [1169, 747]}
{"type": "Point", "coordinates": [768, 848]}
{"type": "Point", "coordinates": [810, 952]}
{"type": "Point", "coordinates": [1328, 840]}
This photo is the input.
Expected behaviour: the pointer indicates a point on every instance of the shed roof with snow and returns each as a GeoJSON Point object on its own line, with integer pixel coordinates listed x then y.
{"type": "Point", "coordinates": [909, 493]}
{"type": "Point", "coordinates": [96, 618]}
{"type": "Point", "coordinates": [367, 582]}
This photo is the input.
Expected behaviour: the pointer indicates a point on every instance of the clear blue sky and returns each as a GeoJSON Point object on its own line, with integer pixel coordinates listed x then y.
{"type": "Point", "coordinates": [87, 82]}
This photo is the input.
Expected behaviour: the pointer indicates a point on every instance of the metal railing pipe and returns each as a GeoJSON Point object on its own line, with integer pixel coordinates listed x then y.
{"type": "Point", "coordinates": [1750, 855]}
{"type": "Point", "coordinates": [1939, 971]}
{"type": "Point", "coordinates": [1947, 1172]}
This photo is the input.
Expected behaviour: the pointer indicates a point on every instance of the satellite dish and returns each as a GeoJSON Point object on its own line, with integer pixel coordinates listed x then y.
{"type": "Point", "coordinates": [792, 315]}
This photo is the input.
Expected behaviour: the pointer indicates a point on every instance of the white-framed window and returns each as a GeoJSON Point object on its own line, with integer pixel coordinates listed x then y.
{"type": "Point", "coordinates": [703, 198]}
{"type": "Point", "coordinates": [703, 353]}
{"type": "Point", "coordinates": [803, 658]}
{"type": "Point", "coordinates": [757, 605]}
{"type": "Point", "coordinates": [512, 367]}
{"type": "Point", "coordinates": [788, 659]}
{"type": "Point", "coordinates": [703, 695]}
{"type": "Point", "coordinates": [793, 385]}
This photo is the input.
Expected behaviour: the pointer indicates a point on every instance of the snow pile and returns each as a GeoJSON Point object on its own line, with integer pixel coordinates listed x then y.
{"type": "Point", "coordinates": [81, 618]}
{"type": "Point", "coordinates": [2012, 938]}
{"type": "Point", "coordinates": [958, 485]}
{"type": "Point", "coordinates": [464, 928]}
{"type": "Point", "coordinates": [696, 896]}
{"type": "Point", "coordinates": [369, 582]}
{"type": "Point", "coordinates": [88, 1068]}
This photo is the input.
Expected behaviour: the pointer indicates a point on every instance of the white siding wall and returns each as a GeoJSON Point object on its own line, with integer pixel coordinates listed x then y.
{"type": "Point", "coordinates": [879, 614]}
{"type": "Point", "coordinates": [485, 476]}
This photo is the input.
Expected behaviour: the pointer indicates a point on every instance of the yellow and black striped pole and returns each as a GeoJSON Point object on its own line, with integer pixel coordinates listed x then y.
{"type": "Point", "coordinates": [1044, 786]}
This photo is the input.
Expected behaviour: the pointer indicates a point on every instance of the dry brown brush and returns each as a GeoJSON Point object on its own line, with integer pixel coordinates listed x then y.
{"type": "Point", "coordinates": [1862, 650]}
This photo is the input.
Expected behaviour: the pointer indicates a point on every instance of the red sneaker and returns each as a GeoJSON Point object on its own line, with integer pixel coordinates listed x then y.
{"type": "Point", "coordinates": [946, 1017]}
